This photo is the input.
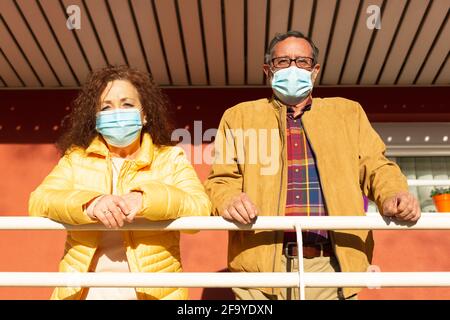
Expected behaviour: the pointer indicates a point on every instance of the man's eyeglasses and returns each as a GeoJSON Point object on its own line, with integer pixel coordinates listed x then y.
{"type": "Point", "coordinates": [300, 62]}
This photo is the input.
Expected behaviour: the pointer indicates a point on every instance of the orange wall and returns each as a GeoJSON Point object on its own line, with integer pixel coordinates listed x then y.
{"type": "Point", "coordinates": [24, 166]}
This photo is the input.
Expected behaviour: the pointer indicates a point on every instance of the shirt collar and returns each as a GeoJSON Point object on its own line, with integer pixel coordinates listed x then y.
{"type": "Point", "coordinates": [290, 112]}
{"type": "Point", "coordinates": [278, 104]}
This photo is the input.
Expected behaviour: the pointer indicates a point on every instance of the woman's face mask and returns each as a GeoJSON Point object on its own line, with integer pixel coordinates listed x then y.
{"type": "Point", "coordinates": [120, 118]}
{"type": "Point", "coordinates": [292, 85]}
{"type": "Point", "coordinates": [119, 127]}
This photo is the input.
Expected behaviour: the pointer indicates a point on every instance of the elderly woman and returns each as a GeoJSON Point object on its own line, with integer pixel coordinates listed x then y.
{"type": "Point", "coordinates": [119, 164]}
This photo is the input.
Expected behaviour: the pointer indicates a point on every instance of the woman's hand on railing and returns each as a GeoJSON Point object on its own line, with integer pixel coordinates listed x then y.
{"type": "Point", "coordinates": [403, 206]}
{"type": "Point", "coordinates": [134, 202]}
{"type": "Point", "coordinates": [111, 210]}
{"type": "Point", "coordinates": [240, 209]}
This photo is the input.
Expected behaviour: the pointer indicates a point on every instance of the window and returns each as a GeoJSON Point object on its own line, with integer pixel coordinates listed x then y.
{"type": "Point", "coordinates": [425, 168]}
{"type": "Point", "coordinates": [421, 168]}
{"type": "Point", "coordinates": [422, 151]}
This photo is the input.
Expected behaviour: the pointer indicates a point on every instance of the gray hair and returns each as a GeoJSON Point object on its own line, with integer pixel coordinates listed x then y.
{"type": "Point", "coordinates": [283, 36]}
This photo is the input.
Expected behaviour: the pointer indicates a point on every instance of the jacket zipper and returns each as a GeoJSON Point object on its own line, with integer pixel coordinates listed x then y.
{"type": "Point", "coordinates": [282, 159]}
{"type": "Point", "coordinates": [125, 168]}
{"type": "Point", "coordinates": [282, 135]}
{"type": "Point", "coordinates": [131, 242]}
{"type": "Point", "coordinates": [129, 233]}
{"type": "Point", "coordinates": [129, 239]}
{"type": "Point", "coordinates": [331, 234]}
{"type": "Point", "coordinates": [109, 168]}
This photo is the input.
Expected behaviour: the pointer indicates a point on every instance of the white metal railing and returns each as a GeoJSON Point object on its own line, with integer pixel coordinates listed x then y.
{"type": "Point", "coordinates": [422, 183]}
{"type": "Point", "coordinates": [225, 279]}
{"type": "Point", "coordinates": [299, 280]}
{"type": "Point", "coordinates": [427, 221]}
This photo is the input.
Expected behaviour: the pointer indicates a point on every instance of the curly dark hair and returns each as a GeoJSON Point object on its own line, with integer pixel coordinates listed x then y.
{"type": "Point", "coordinates": [79, 125]}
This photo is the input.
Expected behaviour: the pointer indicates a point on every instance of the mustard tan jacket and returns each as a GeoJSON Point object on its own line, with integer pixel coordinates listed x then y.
{"type": "Point", "coordinates": [350, 160]}
{"type": "Point", "coordinates": [170, 188]}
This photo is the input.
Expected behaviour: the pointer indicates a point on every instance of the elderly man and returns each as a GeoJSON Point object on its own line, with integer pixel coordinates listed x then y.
{"type": "Point", "coordinates": [324, 156]}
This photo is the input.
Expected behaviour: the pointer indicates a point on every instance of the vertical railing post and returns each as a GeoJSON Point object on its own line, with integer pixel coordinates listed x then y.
{"type": "Point", "coordinates": [301, 268]}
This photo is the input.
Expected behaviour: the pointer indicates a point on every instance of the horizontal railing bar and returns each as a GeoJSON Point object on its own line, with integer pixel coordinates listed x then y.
{"type": "Point", "coordinates": [428, 221]}
{"type": "Point", "coordinates": [436, 183]}
{"type": "Point", "coordinates": [225, 280]}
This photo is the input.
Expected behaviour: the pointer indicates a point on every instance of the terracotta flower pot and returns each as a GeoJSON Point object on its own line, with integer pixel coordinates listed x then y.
{"type": "Point", "coordinates": [442, 202]}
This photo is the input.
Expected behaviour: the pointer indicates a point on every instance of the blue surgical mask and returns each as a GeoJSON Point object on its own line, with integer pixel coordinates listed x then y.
{"type": "Point", "coordinates": [119, 128]}
{"type": "Point", "coordinates": [292, 85]}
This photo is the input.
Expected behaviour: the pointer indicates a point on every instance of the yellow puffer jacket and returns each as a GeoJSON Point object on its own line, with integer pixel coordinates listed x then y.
{"type": "Point", "coordinates": [170, 188]}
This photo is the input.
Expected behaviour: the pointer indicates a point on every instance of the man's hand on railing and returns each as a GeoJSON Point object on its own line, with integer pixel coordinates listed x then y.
{"type": "Point", "coordinates": [240, 209]}
{"type": "Point", "coordinates": [403, 206]}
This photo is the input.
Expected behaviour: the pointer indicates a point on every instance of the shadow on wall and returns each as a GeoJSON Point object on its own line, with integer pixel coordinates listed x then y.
{"type": "Point", "coordinates": [218, 293]}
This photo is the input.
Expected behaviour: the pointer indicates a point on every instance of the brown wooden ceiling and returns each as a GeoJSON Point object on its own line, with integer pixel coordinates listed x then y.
{"type": "Point", "coordinates": [222, 42]}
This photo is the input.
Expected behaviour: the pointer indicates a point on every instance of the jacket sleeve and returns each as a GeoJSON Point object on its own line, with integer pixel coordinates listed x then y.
{"type": "Point", "coordinates": [379, 177]}
{"type": "Point", "coordinates": [225, 180]}
{"type": "Point", "coordinates": [56, 198]}
{"type": "Point", "coordinates": [185, 197]}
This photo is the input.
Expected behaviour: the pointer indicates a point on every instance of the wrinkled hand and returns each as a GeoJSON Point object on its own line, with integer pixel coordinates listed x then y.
{"type": "Point", "coordinates": [240, 209]}
{"type": "Point", "coordinates": [111, 210]}
{"type": "Point", "coordinates": [403, 206]}
{"type": "Point", "coordinates": [134, 202]}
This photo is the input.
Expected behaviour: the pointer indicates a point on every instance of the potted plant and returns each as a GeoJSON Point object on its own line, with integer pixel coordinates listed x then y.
{"type": "Point", "coordinates": [441, 199]}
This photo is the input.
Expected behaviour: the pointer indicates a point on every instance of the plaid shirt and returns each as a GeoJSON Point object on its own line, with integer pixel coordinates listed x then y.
{"type": "Point", "coordinates": [304, 193]}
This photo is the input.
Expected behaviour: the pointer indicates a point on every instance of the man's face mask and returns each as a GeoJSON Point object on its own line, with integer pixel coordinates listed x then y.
{"type": "Point", "coordinates": [119, 128]}
{"type": "Point", "coordinates": [292, 85]}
